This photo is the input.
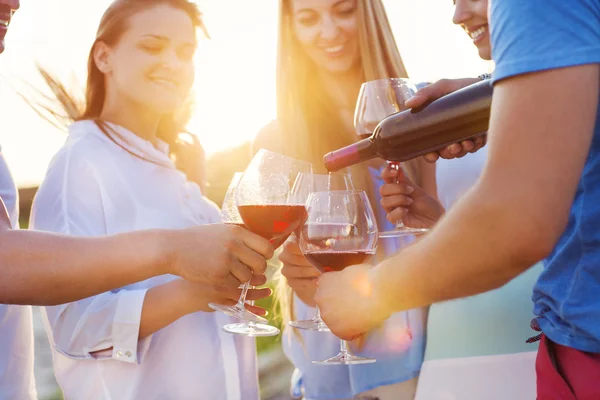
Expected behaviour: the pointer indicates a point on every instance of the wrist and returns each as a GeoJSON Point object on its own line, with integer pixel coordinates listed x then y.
{"type": "Point", "coordinates": [183, 302]}
{"type": "Point", "coordinates": [165, 243]}
{"type": "Point", "coordinates": [382, 302]}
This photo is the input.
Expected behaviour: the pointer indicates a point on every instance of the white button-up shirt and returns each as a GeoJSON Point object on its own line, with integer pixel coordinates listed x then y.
{"type": "Point", "coordinates": [16, 326]}
{"type": "Point", "coordinates": [96, 187]}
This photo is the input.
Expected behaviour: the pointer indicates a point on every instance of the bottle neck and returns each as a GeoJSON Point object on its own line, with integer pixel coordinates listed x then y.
{"type": "Point", "coordinates": [363, 150]}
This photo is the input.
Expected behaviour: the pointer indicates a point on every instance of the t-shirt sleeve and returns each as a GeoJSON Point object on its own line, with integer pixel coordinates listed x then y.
{"type": "Point", "coordinates": [536, 35]}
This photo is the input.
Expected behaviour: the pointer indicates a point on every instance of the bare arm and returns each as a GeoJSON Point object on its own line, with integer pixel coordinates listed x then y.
{"type": "Point", "coordinates": [540, 138]}
{"type": "Point", "coordinates": [540, 135]}
{"type": "Point", "coordinates": [46, 269]}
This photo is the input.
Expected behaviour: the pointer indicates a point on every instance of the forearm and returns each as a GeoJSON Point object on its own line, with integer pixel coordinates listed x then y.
{"type": "Point", "coordinates": [479, 246]}
{"type": "Point", "coordinates": [46, 269]}
{"type": "Point", "coordinates": [164, 305]}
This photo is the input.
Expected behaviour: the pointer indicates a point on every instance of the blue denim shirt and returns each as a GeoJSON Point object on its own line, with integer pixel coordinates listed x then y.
{"type": "Point", "coordinates": [537, 35]}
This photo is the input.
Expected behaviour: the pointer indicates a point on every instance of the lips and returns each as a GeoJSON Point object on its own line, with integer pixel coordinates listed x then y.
{"type": "Point", "coordinates": [165, 81]}
{"type": "Point", "coordinates": [334, 50]}
{"type": "Point", "coordinates": [5, 15]}
{"type": "Point", "coordinates": [476, 32]}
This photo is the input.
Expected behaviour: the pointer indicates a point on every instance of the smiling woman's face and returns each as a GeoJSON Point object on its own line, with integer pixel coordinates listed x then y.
{"type": "Point", "coordinates": [472, 15]}
{"type": "Point", "coordinates": [152, 63]}
{"type": "Point", "coordinates": [327, 31]}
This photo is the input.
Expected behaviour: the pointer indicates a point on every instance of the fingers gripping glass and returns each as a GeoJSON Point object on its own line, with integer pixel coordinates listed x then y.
{"type": "Point", "coordinates": [230, 215]}
{"type": "Point", "coordinates": [270, 200]}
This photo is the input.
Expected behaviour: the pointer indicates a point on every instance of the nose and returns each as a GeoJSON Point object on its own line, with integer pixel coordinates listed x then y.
{"type": "Point", "coordinates": [329, 28]}
{"type": "Point", "coordinates": [172, 61]}
{"type": "Point", "coordinates": [462, 12]}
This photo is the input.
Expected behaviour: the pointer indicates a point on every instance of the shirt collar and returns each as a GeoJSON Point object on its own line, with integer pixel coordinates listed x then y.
{"type": "Point", "coordinates": [128, 140]}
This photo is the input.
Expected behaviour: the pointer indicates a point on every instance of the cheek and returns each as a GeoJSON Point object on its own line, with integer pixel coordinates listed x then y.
{"type": "Point", "coordinates": [350, 28]}
{"type": "Point", "coordinates": [305, 36]}
{"type": "Point", "coordinates": [188, 75]}
{"type": "Point", "coordinates": [130, 74]}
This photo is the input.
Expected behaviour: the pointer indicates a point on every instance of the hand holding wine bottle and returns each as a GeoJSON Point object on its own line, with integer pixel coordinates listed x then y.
{"type": "Point", "coordinates": [404, 201]}
{"type": "Point", "coordinates": [433, 92]}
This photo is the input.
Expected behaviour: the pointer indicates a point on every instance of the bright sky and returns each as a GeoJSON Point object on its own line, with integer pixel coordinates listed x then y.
{"type": "Point", "coordinates": [235, 75]}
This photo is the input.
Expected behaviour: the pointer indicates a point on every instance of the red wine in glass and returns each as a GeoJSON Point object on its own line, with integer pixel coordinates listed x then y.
{"type": "Point", "coordinates": [331, 260]}
{"type": "Point", "coordinates": [340, 231]}
{"type": "Point", "coordinates": [254, 325]}
{"type": "Point", "coordinates": [274, 222]}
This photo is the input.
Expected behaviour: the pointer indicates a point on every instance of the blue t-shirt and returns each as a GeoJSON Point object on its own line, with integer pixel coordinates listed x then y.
{"type": "Point", "coordinates": [536, 35]}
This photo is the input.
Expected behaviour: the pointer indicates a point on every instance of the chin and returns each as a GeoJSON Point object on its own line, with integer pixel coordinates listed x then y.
{"type": "Point", "coordinates": [339, 66]}
{"type": "Point", "coordinates": [485, 52]}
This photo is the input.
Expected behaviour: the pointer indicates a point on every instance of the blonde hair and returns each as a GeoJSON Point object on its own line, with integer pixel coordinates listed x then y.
{"type": "Point", "coordinates": [308, 124]}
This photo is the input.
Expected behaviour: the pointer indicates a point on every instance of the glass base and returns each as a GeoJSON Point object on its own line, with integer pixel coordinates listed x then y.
{"type": "Point", "coordinates": [345, 359]}
{"type": "Point", "coordinates": [310, 325]}
{"type": "Point", "coordinates": [402, 232]}
{"type": "Point", "coordinates": [251, 329]}
{"type": "Point", "coordinates": [238, 312]}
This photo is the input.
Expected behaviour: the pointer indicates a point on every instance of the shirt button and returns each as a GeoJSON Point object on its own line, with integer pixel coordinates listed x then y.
{"type": "Point", "coordinates": [119, 353]}
{"type": "Point", "coordinates": [128, 354]}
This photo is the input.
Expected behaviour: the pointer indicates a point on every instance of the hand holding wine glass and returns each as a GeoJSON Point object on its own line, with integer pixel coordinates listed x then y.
{"type": "Point", "coordinates": [404, 201]}
{"type": "Point", "coordinates": [270, 200]}
{"type": "Point", "coordinates": [231, 216]}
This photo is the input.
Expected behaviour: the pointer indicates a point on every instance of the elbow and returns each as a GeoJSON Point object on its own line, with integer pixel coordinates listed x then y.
{"type": "Point", "coordinates": [530, 243]}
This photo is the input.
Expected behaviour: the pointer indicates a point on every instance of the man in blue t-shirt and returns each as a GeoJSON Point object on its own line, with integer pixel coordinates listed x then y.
{"type": "Point", "coordinates": [539, 197]}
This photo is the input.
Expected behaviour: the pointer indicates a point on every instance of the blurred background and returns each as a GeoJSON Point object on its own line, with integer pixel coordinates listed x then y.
{"type": "Point", "coordinates": [235, 75]}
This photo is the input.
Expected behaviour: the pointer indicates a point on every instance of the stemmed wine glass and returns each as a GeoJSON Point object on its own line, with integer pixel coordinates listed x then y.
{"type": "Point", "coordinates": [270, 199]}
{"type": "Point", "coordinates": [340, 231]}
{"type": "Point", "coordinates": [377, 100]}
{"type": "Point", "coordinates": [230, 215]}
{"type": "Point", "coordinates": [324, 183]}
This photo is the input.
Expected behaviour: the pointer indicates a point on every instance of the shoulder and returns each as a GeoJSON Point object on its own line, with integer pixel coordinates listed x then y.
{"type": "Point", "coordinates": [268, 137]}
{"type": "Point", "coordinates": [538, 35]}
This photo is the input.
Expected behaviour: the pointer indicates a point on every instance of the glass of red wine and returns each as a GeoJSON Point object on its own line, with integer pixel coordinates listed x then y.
{"type": "Point", "coordinates": [340, 231]}
{"type": "Point", "coordinates": [324, 183]}
{"type": "Point", "coordinates": [270, 198]}
{"type": "Point", "coordinates": [230, 215]}
{"type": "Point", "coordinates": [378, 99]}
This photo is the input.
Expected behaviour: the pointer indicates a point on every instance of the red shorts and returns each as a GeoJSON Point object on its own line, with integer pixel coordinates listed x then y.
{"type": "Point", "coordinates": [564, 373]}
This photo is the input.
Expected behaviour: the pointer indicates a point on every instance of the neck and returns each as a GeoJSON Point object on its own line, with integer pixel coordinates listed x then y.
{"type": "Point", "coordinates": [132, 117]}
{"type": "Point", "coordinates": [342, 88]}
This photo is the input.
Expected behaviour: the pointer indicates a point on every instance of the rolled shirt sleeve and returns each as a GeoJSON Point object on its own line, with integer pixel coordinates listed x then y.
{"type": "Point", "coordinates": [70, 201]}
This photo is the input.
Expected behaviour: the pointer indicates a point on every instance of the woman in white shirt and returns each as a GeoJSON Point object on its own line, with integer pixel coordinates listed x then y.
{"type": "Point", "coordinates": [153, 339]}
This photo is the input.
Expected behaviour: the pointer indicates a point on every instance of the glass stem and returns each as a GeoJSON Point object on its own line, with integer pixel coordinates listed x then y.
{"type": "Point", "coordinates": [396, 165]}
{"type": "Point", "coordinates": [344, 348]}
{"type": "Point", "coordinates": [317, 316]}
{"type": "Point", "coordinates": [242, 299]}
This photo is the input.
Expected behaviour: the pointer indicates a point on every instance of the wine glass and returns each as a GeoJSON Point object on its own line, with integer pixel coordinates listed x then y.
{"type": "Point", "coordinates": [270, 197]}
{"type": "Point", "coordinates": [324, 183]}
{"type": "Point", "coordinates": [340, 231]}
{"type": "Point", "coordinates": [377, 100]}
{"type": "Point", "coordinates": [230, 215]}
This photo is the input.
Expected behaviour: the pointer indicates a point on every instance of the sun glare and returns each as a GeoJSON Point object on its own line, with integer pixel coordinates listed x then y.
{"type": "Point", "coordinates": [235, 79]}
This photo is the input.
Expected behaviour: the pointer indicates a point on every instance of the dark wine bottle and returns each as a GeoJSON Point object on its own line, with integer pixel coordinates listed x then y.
{"type": "Point", "coordinates": [408, 134]}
